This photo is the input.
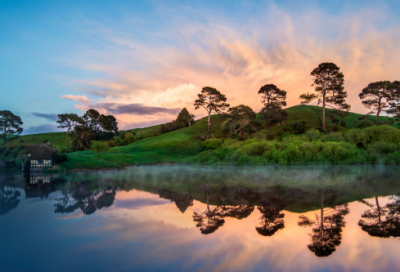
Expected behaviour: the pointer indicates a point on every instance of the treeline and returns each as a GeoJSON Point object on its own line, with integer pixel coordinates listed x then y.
{"type": "Point", "coordinates": [184, 119]}
{"type": "Point", "coordinates": [380, 97]}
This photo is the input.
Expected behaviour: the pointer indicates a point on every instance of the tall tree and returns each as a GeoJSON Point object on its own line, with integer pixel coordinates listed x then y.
{"type": "Point", "coordinates": [69, 120]}
{"type": "Point", "coordinates": [92, 119]}
{"type": "Point", "coordinates": [109, 123]}
{"type": "Point", "coordinates": [10, 124]}
{"type": "Point", "coordinates": [185, 118]}
{"type": "Point", "coordinates": [212, 101]}
{"type": "Point", "coordinates": [243, 115]}
{"type": "Point", "coordinates": [378, 96]}
{"type": "Point", "coordinates": [273, 99]}
{"type": "Point", "coordinates": [327, 230]}
{"type": "Point", "coordinates": [329, 88]}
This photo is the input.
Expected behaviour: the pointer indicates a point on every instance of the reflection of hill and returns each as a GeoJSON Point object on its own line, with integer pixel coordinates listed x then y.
{"type": "Point", "coordinates": [9, 198]}
{"type": "Point", "coordinates": [182, 201]}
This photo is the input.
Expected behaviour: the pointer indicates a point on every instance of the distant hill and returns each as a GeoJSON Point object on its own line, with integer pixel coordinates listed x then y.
{"type": "Point", "coordinates": [174, 146]}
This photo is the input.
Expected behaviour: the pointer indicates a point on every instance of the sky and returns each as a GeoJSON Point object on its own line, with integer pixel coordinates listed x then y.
{"type": "Point", "coordinates": [143, 61]}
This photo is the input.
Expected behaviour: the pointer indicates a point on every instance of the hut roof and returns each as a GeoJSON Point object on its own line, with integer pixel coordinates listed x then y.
{"type": "Point", "coordinates": [40, 151]}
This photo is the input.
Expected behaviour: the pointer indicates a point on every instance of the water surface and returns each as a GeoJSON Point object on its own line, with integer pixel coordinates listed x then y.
{"type": "Point", "coordinates": [179, 218]}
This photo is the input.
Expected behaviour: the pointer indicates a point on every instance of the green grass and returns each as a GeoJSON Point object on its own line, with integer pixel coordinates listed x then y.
{"type": "Point", "coordinates": [176, 146]}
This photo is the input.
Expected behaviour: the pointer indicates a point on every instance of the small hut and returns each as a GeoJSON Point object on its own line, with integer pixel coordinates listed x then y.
{"type": "Point", "coordinates": [37, 157]}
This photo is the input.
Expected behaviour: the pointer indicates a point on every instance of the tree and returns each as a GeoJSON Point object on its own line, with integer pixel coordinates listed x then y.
{"type": "Point", "coordinates": [212, 101]}
{"type": "Point", "coordinates": [69, 120]}
{"type": "Point", "coordinates": [100, 146]}
{"type": "Point", "coordinates": [10, 124]}
{"type": "Point", "coordinates": [109, 123]}
{"type": "Point", "coordinates": [243, 115]}
{"type": "Point", "coordinates": [378, 96]}
{"type": "Point", "coordinates": [329, 86]}
{"type": "Point", "coordinates": [92, 119]}
{"type": "Point", "coordinates": [273, 99]}
{"type": "Point", "coordinates": [327, 230]}
{"type": "Point", "coordinates": [271, 219]}
{"type": "Point", "coordinates": [185, 118]}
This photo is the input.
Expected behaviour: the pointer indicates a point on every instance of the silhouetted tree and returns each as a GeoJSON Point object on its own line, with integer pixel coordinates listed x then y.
{"type": "Point", "coordinates": [10, 124]}
{"type": "Point", "coordinates": [69, 120]}
{"type": "Point", "coordinates": [210, 220]}
{"type": "Point", "coordinates": [212, 101]}
{"type": "Point", "coordinates": [92, 120]}
{"type": "Point", "coordinates": [378, 96]}
{"type": "Point", "coordinates": [273, 99]}
{"type": "Point", "coordinates": [381, 221]}
{"type": "Point", "coordinates": [185, 118]}
{"type": "Point", "coordinates": [271, 219]}
{"type": "Point", "coordinates": [243, 115]}
{"type": "Point", "coordinates": [328, 227]}
{"type": "Point", "coordinates": [329, 88]}
{"type": "Point", "coordinates": [109, 123]}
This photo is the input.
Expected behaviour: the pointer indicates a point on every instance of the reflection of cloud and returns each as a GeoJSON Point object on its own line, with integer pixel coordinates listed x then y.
{"type": "Point", "coordinates": [48, 116]}
{"type": "Point", "coordinates": [42, 129]}
{"type": "Point", "coordinates": [79, 98]}
{"type": "Point", "coordinates": [137, 203]}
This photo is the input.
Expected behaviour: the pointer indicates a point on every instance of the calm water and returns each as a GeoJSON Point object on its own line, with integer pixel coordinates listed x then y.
{"type": "Point", "coordinates": [179, 218]}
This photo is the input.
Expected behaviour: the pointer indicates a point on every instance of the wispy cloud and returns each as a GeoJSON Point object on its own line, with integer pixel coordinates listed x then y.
{"type": "Point", "coordinates": [48, 116]}
{"type": "Point", "coordinates": [136, 109]}
{"type": "Point", "coordinates": [45, 128]}
{"type": "Point", "coordinates": [79, 98]}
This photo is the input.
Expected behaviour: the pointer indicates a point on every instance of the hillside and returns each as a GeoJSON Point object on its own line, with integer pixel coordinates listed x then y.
{"type": "Point", "coordinates": [175, 146]}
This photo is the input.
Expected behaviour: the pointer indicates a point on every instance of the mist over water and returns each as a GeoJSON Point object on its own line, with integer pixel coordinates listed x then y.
{"type": "Point", "coordinates": [179, 218]}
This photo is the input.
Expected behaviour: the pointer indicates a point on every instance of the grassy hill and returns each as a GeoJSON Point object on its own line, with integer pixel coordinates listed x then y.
{"type": "Point", "coordinates": [175, 146]}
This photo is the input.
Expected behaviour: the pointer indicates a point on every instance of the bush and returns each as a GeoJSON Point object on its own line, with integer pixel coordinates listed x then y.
{"type": "Point", "coordinates": [100, 146]}
{"type": "Point", "coordinates": [60, 157]}
{"type": "Point", "coordinates": [333, 137]}
{"type": "Point", "coordinates": [296, 128]}
{"type": "Point", "coordinates": [212, 144]}
{"type": "Point", "coordinates": [313, 134]}
{"type": "Point", "coordinates": [111, 143]}
{"type": "Point", "coordinates": [383, 133]}
{"type": "Point", "coordinates": [365, 123]}
{"type": "Point", "coordinates": [128, 135]}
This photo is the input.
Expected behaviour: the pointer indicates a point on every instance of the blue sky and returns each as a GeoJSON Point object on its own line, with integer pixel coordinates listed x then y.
{"type": "Point", "coordinates": [151, 58]}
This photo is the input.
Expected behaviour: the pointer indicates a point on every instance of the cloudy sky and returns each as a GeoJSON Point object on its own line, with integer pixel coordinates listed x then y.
{"type": "Point", "coordinates": [142, 61]}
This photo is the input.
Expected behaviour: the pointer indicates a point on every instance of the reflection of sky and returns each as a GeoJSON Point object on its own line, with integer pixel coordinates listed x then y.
{"type": "Point", "coordinates": [143, 232]}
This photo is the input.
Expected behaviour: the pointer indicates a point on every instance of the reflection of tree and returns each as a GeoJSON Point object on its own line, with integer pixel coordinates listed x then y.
{"type": "Point", "coordinates": [79, 196]}
{"type": "Point", "coordinates": [327, 230]}
{"type": "Point", "coordinates": [182, 201]}
{"type": "Point", "coordinates": [381, 221]}
{"type": "Point", "coordinates": [239, 211]}
{"type": "Point", "coordinates": [271, 219]}
{"type": "Point", "coordinates": [8, 198]}
{"type": "Point", "coordinates": [210, 220]}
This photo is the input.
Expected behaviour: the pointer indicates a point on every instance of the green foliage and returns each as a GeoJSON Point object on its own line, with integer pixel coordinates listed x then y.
{"type": "Point", "coordinates": [60, 157]}
{"type": "Point", "coordinates": [333, 137]}
{"type": "Point", "coordinates": [100, 146]}
{"type": "Point", "coordinates": [296, 128]}
{"type": "Point", "coordinates": [365, 123]}
{"type": "Point", "coordinates": [111, 143]}
{"type": "Point", "coordinates": [313, 134]}
{"type": "Point", "coordinates": [212, 143]}
{"type": "Point", "coordinates": [128, 135]}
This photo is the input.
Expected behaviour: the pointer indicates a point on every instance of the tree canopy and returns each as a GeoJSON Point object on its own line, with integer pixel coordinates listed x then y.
{"type": "Point", "coordinates": [212, 101]}
{"type": "Point", "coordinates": [329, 88]}
{"type": "Point", "coordinates": [273, 99]}
{"type": "Point", "coordinates": [185, 118]}
{"type": "Point", "coordinates": [242, 115]}
{"type": "Point", "coordinates": [10, 124]}
{"type": "Point", "coordinates": [378, 96]}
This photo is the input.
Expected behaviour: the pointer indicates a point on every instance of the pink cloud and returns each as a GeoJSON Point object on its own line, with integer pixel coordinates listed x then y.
{"type": "Point", "coordinates": [79, 98]}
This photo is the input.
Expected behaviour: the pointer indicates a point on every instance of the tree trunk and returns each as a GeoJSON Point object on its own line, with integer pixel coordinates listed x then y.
{"type": "Point", "coordinates": [378, 112]}
{"type": "Point", "coordinates": [190, 123]}
{"type": "Point", "coordinates": [66, 140]}
{"type": "Point", "coordinates": [322, 213]}
{"type": "Point", "coordinates": [323, 111]}
{"type": "Point", "coordinates": [379, 209]}
{"type": "Point", "coordinates": [4, 137]}
{"type": "Point", "coordinates": [208, 125]}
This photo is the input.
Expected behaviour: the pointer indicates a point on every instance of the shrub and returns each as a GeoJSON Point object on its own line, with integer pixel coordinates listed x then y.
{"type": "Point", "coordinates": [334, 137]}
{"type": "Point", "coordinates": [128, 135]}
{"type": "Point", "coordinates": [296, 128]}
{"type": "Point", "coordinates": [100, 146]}
{"type": "Point", "coordinates": [357, 137]}
{"type": "Point", "coordinates": [383, 133]}
{"type": "Point", "coordinates": [364, 124]}
{"type": "Point", "coordinates": [60, 157]}
{"type": "Point", "coordinates": [212, 144]}
{"type": "Point", "coordinates": [111, 143]}
{"type": "Point", "coordinates": [313, 134]}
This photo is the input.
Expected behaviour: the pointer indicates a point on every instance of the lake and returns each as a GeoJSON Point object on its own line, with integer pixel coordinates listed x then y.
{"type": "Point", "coordinates": [201, 218]}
